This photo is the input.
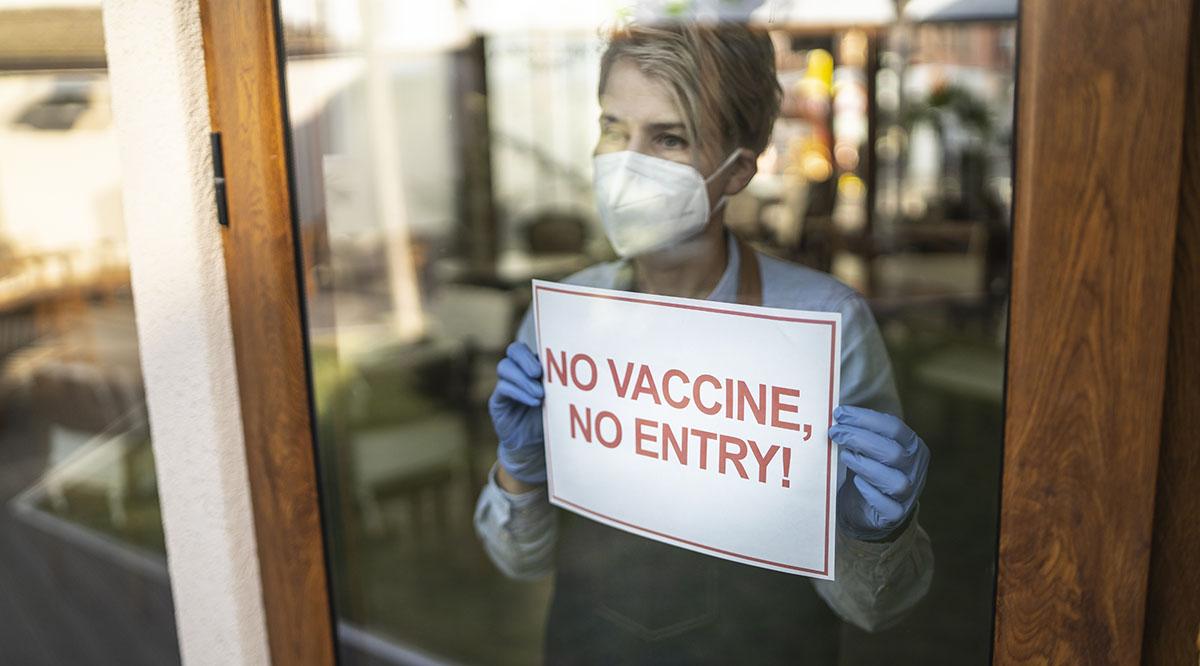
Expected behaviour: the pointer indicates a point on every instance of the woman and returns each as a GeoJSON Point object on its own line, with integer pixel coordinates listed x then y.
{"type": "Point", "coordinates": [685, 111]}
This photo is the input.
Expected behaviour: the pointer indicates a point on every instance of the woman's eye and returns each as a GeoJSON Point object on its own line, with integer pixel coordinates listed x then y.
{"type": "Point", "coordinates": [672, 142]}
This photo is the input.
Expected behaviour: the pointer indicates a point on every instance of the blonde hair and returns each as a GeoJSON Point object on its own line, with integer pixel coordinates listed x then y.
{"type": "Point", "coordinates": [722, 77]}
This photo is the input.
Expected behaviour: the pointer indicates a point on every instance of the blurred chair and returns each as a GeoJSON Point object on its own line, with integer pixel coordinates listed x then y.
{"type": "Point", "coordinates": [556, 232]}
{"type": "Point", "coordinates": [84, 409]}
{"type": "Point", "coordinates": [479, 317]}
{"type": "Point", "coordinates": [412, 466]}
{"type": "Point", "coordinates": [480, 321]}
{"type": "Point", "coordinates": [415, 412]}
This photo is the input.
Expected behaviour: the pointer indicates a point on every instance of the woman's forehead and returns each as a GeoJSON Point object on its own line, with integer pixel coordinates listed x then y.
{"type": "Point", "coordinates": [632, 97]}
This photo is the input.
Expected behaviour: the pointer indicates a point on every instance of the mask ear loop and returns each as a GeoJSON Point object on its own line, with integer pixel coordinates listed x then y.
{"type": "Point", "coordinates": [737, 152]}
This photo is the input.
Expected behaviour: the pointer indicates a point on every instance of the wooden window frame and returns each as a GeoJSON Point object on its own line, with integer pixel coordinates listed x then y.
{"type": "Point", "coordinates": [1100, 122]}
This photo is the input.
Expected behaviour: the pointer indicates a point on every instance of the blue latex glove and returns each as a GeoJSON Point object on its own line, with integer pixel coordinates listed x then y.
{"type": "Point", "coordinates": [516, 410]}
{"type": "Point", "coordinates": [886, 466]}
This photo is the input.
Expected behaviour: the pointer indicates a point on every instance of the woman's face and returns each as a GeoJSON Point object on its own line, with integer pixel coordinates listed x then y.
{"type": "Point", "coordinates": [637, 113]}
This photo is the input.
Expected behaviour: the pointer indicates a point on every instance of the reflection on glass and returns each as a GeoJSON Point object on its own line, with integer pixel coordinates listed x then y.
{"type": "Point", "coordinates": [82, 560]}
{"type": "Point", "coordinates": [443, 158]}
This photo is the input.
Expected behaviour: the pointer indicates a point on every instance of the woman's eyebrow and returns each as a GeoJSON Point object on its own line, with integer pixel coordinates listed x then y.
{"type": "Point", "coordinates": [664, 126]}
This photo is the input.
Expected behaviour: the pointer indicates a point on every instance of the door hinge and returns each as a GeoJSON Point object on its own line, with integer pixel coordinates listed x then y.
{"type": "Point", "coordinates": [218, 162]}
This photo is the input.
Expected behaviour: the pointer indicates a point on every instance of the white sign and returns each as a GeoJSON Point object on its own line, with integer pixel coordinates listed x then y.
{"type": "Point", "coordinates": [699, 424]}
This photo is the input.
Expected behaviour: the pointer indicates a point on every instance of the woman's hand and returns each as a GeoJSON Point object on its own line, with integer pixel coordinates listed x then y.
{"type": "Point", "coordinates": [886, 462]}
{"type": "Point", "coordinates": [516, 411]}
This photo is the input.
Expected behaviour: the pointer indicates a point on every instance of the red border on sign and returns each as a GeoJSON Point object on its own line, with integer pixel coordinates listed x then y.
{"type": "Point", "coordinates": [537, 289]}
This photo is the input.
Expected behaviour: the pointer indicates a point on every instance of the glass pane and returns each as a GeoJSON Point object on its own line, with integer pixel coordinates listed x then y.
{"type": "Point", "coordinates": [82, 560]}
{"type": "Point", "coordinates": [446, 154]}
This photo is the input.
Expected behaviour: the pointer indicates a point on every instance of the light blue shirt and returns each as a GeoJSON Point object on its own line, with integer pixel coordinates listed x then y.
{"type": "Point", "coordinates": [866, 369]}
{"type": "Point", "coordinates": [876, 582]}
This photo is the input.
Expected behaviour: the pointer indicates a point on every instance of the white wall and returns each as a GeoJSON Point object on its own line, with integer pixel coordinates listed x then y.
{"type": "Point", "coordinates": [160, 108]}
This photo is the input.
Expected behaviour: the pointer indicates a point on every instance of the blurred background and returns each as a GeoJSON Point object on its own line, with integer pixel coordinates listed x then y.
{"type": "Point", "coordinates": [441, 154]}
{"type": "Point", "coordinates": [83, 576]}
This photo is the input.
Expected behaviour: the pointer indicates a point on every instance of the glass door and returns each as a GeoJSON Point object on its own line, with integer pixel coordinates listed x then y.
{"type": "Point", "coordinates": [443, 157]}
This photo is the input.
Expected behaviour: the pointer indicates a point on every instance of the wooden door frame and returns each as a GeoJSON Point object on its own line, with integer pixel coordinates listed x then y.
{"type": "Point", "coordinates": [1096, 202]}
{"type": "Point", "coordinates": [246, 105]}
{"type": "Point", "coordinates": [1172, 634]}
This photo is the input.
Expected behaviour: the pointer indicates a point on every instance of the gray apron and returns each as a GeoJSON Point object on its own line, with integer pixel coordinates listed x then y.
{"type": "Point", "coordinates": [622, 598]}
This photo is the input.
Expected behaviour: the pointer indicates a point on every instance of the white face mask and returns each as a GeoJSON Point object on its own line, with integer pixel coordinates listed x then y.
{"type": "Point", "coordinates": [648, 203]}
